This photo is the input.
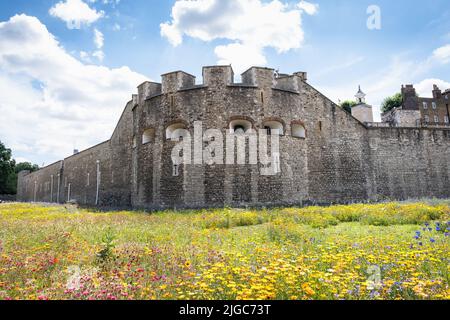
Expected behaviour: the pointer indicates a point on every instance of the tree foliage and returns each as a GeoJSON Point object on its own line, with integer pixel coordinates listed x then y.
{"type": "Point", "coordinates": [9, 170]}
{"type": "Point", "coordinates": [348, 105]}
{"type": "Point", "coordinates": [26, 166]}
{"type": "Point", "coordinates": [390, 103]}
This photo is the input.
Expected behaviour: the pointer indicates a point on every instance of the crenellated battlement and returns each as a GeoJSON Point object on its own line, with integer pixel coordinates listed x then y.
{"type": "Point", "coordinates": [218, 76]}
{"type": "Point", "coordinates": [260, 77]}
{"type": "Point", "coordinates": [221, 77]}
{"type": "Point", "coordinates": [147, 90]}
{"type": "Point", "coordinates": [176, 81]}
{"type": "Point", "coordinates": [288, 83]}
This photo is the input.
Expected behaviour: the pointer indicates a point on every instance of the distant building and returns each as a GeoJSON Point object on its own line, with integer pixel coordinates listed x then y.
{"type": "Point", "coordinates": [362, 111]}
{"type": "Point", "coordinates": [435, 110]}
{"type": "Point", "coordinates": [419, 111]}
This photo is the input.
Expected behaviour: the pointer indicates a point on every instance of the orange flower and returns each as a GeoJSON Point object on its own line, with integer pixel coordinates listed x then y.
{"type": "Point", "coordinates": [307, 289]}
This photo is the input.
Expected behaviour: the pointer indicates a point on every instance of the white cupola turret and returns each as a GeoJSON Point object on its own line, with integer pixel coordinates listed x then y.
{"type": "Point", "coordinates": [360, 96]}
{"type": "Point", "coordinates": [362, 111]}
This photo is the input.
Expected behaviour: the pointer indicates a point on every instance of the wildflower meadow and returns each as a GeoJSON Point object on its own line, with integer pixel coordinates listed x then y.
{"type": "Point", "coordinates": [377, 251]}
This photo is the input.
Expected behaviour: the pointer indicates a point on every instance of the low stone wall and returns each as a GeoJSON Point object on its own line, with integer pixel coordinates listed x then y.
{"type": "Point", "coordinates": [7, 197]}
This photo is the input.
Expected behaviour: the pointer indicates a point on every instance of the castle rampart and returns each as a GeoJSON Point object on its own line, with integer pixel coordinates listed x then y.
{"type": "Point", "coordinates": [325, 154]}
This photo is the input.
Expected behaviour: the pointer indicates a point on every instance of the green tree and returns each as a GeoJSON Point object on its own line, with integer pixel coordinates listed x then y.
{"type": "Point", "coordinates": [12, 181]}
{"type": "Point", "coordinates": [26, 166]}
{"type": "Point", "coordinates": [348, 105]}
{"type": "Point", "coordinates": [390, 103]}
{"type": "Point", "coordinates": [7, 169]}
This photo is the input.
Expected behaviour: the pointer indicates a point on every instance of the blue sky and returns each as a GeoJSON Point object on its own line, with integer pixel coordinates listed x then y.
{"type": "Point", "coordinates": [52, 114]}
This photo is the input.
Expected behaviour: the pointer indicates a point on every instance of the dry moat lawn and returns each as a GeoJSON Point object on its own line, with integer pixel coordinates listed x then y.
{"type": "Point", "coordinates": [383, 251]}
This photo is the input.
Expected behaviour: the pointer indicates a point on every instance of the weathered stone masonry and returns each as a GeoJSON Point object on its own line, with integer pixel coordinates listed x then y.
{"type": "Point", "coordinates": [338, 159]}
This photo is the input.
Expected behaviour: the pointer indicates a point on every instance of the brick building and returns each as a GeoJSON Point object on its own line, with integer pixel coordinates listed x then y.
{"type": "Point", "coordinates": [435, 110]}
{"type": "Point", "coordinates": [421, 111]}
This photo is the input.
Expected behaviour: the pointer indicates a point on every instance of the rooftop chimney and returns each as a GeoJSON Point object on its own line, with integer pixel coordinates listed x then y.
{"type": "Point", "coordinates": [437, 94]}
{"type": "Point", "coordinates": [409, 96]}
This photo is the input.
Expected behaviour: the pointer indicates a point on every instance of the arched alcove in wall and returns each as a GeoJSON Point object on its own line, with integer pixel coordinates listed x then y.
{"type": "Point", "coordinates": [148, 136]}
{"type": "Point", "coordinates": [176, 131]}
{"type": "Point", "coordinates": [298, 130]}
{"type": "Point", "coordinates": [273, 125]}
{"type": "Point", "coordinates": [240, 125]}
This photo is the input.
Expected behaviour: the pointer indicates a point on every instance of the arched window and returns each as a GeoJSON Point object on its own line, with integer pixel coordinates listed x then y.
{"type": "Point", "coordinates": [240, 126]}
{"type": "Point", "coordinates": [273, 126]}
{"type": "Point", "coordinates": [176, 131]}
{"type": "Point", "coordinates": [298, 130]}
{"type": "Point", "coordinates": [148, 136]}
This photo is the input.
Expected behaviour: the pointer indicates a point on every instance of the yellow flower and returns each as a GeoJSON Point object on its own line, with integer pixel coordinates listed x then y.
{"type": "Point", "coordinates": [308, 290]}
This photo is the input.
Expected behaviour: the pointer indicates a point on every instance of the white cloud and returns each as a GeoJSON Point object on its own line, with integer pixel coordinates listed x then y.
{"type": "Point", "coordinates": [85, 56]}
{"type": "Point", "coordinates": [55, 102]}
{"type": "Point", "coordinates": [424, 88]}
{"type": "Point", "coordinates": [240, 56]}
{"type": "Point", "coordinates": [309, 8]}
{"type": "Point", "coordinates": [251, 25]}
{"type": "Point", "coordinates": [442, 54]}
{"type": "Point", "coordinates": [21, 159]}
{"type": "Point", "coordinates": [99, 54]}
{"type": "Point", "coordinates": [75, 13]}
{"type": "Point", "coordinates": [99, 39]}
{"type": "Point", "coordinates": [99, 42]}
{"type": "Point", "coordinates": [112, 2]}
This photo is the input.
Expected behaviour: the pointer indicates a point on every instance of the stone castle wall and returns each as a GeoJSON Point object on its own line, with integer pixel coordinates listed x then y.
{"type": "Point", "coordinates": [409, 163]}
{"type": "Point", "coordinates": [402, 118]}
{"type": "Point", "coordinates": [75, 178]}
{"type": "Point", "coordinates": [339, 160]}
{"type": "Point", "coordinates": [42, 185]}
